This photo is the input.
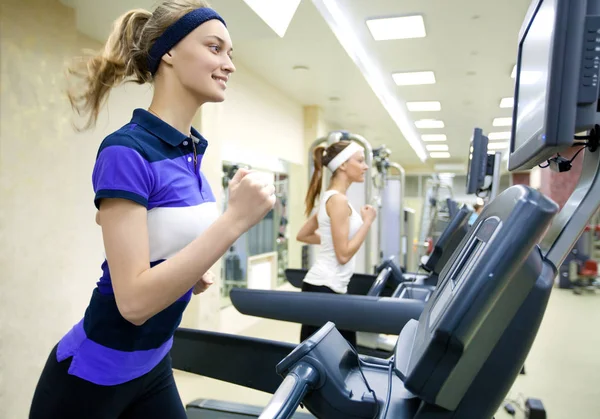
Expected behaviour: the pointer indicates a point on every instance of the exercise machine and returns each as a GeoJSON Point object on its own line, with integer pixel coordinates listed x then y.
{"type": "Point", "coordinates": [463, 354]}
{"type": "Point", "coordinates": [435, 215]}
{"type": "Point", "coordinates": [482, 166]}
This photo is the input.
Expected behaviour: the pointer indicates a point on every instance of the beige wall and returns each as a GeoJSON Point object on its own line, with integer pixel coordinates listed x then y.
{"type": "Point", "coordinates": [259, 121]}
{"type": "Point", "coordinates": [51, 247]}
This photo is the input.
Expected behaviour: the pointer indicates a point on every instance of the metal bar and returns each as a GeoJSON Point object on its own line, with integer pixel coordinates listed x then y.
{"type": "Point", "coordinates": [291, 392]}
{"type": "Point", "coordinates": [569, 224]}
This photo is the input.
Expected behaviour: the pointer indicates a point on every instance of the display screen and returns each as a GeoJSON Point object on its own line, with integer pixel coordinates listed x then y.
{"type": "Point", "coordinates": [535, 59]}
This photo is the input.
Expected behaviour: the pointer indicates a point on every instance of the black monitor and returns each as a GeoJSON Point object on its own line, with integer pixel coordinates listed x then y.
{"type": "Point", "coordinates": [478, 162]}
{"type": "Point", "coordinates": [556, 86]}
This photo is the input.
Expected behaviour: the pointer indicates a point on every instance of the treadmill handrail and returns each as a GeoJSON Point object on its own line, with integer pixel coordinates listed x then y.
{"type": "Point", "coordinates": [379, 283]}
{"type": "Point", "coordinates": [291, 392]}
{"type": "Point", "coordinates": [349, 312]}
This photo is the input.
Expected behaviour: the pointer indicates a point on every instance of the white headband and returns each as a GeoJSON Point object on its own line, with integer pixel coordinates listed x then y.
{"type": "Point", "coordinates": [343, 156]}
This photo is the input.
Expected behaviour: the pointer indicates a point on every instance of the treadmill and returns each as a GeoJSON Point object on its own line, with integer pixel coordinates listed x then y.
{"type": "Point", "coordinates": [359, 284]}
{"type": "Point", "coordinates": [379, 325]}
{"type": "Point", "coordinates": [457, 360]}
{"type": "Point", "coordinates": [462, 355]}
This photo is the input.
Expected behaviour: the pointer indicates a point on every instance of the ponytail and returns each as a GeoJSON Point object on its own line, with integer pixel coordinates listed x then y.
{"type": "Point", "coordinates": [322, 157]}
{"type": "Point", "coordinates": [122, 58]}
{"type": "Point", "coordinates": [314, 189]}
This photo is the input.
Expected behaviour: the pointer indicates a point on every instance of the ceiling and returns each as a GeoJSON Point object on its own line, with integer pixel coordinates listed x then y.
{"type": "Point", "coordinates": [470, 46]}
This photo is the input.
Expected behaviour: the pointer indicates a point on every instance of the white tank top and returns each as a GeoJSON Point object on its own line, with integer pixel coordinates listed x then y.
{"type": "Point", "coordinates": [327, 271]}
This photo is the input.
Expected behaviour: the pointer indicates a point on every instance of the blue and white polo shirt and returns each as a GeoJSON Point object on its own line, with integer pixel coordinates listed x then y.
{"type": "Point", "coordinates": [149, 162]}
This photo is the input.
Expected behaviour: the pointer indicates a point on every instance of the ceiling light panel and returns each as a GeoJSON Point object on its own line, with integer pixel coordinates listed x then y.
{"type": "Point", "coordinates": [497, 146]}
{"type": "Point", "coordinates": [507, 102]}
{"type": "Point", "coordinates": [504, 135]}
{"type": "Point", "coordinates": [433, 137]}
{"type": "Point", "coordinates": [440, 155]}
{"type": "Point", "coordinates": [414, 78]}
{"type": "Point", "coordinates": [424, 106]}
{"type": "Point", "coordinates": [429, 123]}
{"type": "Point", "coordinates": [400, 27]}
{"type": "Point", "coordinates": [502, 122]}
{"type": "Point", "coordinates": [275, 13]}
{"type": "Point", "coordinates": [436, 147]}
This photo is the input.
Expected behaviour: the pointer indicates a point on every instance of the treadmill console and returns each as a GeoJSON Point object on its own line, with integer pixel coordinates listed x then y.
{"type": "Point", "coordinates": [341, 392]}
{"type": "Point", "coordinates": [478, 294]}
{"type": "Point", "coordinates": [464, 265]}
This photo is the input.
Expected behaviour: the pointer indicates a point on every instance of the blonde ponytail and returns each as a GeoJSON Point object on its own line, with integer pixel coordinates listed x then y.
{"type": "Point", "coordinates": [124, 57]}
{"type": "Point", "coordinates": [121, 59]}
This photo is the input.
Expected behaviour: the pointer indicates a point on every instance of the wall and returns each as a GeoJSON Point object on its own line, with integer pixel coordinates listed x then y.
{"type": "Point", "coordinates": [51, 247]}
{"type": "Point", "coordinates": [259, 121]}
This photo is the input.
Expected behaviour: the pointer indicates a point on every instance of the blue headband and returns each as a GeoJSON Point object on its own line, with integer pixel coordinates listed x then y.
{"type": "Point", "coordinates": [176, 32]}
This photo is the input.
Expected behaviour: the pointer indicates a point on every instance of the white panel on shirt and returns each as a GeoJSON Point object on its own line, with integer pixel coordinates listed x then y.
{"type": "Point", "coordinates": [170, 229]}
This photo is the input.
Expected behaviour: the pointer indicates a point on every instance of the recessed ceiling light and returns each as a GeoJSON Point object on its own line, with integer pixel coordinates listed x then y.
{"type": "Point", "coordinates": [497, 146]}
{"type": "Point", "coordinates": [455, 167]}
{"type": "Point", "coordinates": [401, 27]}
{"type": "Point", "coordinates": [436, 147]}
{"type": "Point", "coordinates": [424, 106]}
{"type": "Point", "coordinates": [433, 137]}
{"type": "Point", "coordinates": [504, 135]}
{"type": "Point", "coordinates": [439, 155]}
{"type": "Point", "coordinates": [502, 122]}
{"type": "Point", "coordinates": [527, 77]}
{"type": "Point", "coordinates": [507, 102]}
{"type": "Point", "coordinates": [429, 123]}
{"type": "Point", "coordinates": [414, 78]}
{"type": "Point", "coordinates": [276, 14]}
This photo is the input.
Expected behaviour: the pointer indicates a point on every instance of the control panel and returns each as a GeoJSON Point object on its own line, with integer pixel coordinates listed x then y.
{"type": "Point", "coordinates": [590, 68]}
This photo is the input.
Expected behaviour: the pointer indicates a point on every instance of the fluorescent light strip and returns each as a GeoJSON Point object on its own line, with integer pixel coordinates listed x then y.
{"type": "Point", "coordinates": [504, 135]}
{"type": "Point", "coordinates": [342, 29]}
{"type": "Point", "coordinates": [424, 106]}
{"type": "Point", "coordinates": [456, 167]}
{"type": "Point", "coordinates": [497, 146]}
{"type": "Point", "coordinates": [436, 147]}
{"type": "Point", "coordinates": [402, 27]}
{"type": "Point", "coordinates": [502, 122]}
{"type": "Point", "coordinates": [507, 102]}
{"type": "Point", "coordinates": [433, 137]}
{"type": "Point", "coordinates": [439, 155]}
{"type": "Point", "coordinates": [429, 123]}
{"type": "Point", "coordinates": [414, 78]}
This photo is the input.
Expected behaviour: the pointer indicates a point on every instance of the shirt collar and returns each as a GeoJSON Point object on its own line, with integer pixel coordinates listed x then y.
{"type": "Point", "coordinates": [162, 130]}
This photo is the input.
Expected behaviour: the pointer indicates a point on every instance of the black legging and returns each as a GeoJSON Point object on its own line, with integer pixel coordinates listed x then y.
{"type": "Point", "coordinates": [307, 330]}
{"type": "Point", "coordinates": [63, 396]}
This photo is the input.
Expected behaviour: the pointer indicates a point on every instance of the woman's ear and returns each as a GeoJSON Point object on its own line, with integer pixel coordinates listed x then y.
{"type": "Point", "coordinates": [168, 58]}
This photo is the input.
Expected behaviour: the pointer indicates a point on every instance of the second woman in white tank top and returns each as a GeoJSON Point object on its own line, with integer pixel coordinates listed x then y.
{"type": "Point", "coordinates": [336, 226]}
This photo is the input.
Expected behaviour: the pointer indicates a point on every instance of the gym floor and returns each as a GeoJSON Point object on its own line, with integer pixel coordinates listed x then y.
{"type": "Point", "coordinates": [563, 368]}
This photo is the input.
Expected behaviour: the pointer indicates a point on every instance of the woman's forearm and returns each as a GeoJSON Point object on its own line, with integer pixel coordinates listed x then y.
{"type": "Point", "coordinates": [160, 286]}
